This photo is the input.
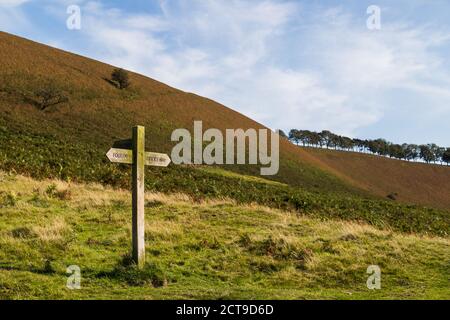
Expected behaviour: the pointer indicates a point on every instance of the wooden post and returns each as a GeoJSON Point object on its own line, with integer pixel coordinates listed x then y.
{"type": "Point", "coordinates": [138, 158]}
{"type": "Point", "coordinates": [138, 220]}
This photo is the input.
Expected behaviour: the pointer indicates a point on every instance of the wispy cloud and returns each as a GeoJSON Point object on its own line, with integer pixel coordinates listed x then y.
{"type": "Point", "coordinates": [12, 17]}
{"type": "Point", "coordinates": [12, 3]}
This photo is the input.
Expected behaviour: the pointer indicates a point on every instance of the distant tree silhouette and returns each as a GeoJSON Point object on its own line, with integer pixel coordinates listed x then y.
{"type": "Point", "coordinates": [325, 136]}
{"type": "Point", "coordinates": [446, 156]}
{"type": "Point", "coordinates": [294, 136]}
{"type": "Point", "coordinates": [410, 152]}
{"type": "Point", "coordinates": [435, 151]}
{"type": "Point", "coordinates": [360, 144]}
{"type": "Point", "coordinates": [396, 151]}
{"type": "Point", "coordinates": [439, 154]}
{"type": "Point", "coordinates": [378, 146]}
{"type": "Point", "coordinates": [334, 141]}
{"type": "Point", "coordinates": [306, 136]}
{"type": "Point", "coordinates": [346, 143]}
{"type": "Point", "coordinates": [426, 154]}
{"type": "Point", "coordinates": [314, 139]}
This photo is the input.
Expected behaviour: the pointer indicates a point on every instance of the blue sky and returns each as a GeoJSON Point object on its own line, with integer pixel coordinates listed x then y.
{"type": "Point", "coordinates": [287, 64]}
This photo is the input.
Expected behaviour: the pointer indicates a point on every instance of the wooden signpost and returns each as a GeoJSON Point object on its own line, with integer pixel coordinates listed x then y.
{"type": "Point", "coordinates": [126, 156]}
{"type": "Point", "coordinates": [138, 158]}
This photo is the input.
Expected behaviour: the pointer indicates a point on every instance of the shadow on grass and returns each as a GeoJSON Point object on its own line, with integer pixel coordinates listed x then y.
{"type": "Point", "coordinates": [46, 269]}
{"type": "Point", "coordinates": [114, 84]}
{"type": "Point", "coordinates": [127, 271]}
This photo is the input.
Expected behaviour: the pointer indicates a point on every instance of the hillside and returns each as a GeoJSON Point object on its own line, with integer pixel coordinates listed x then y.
{"type": "Point", "coordinates": [69, 141]}
{"type": "Point", "coordinates": [410, 182]}
{"type": "Point", "coordinates": [97, 114]}
{"type": "Point", "coordinates": [214, 249]}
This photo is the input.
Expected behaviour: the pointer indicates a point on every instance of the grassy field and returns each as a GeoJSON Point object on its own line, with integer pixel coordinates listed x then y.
{"type": "Point", "coordinates": [196, 249]}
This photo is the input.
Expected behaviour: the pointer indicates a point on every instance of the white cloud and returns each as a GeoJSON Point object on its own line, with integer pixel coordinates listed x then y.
{"type": "Point", "coordinates": [370, 68]}
{"type": "Point", "coordinates": [12, 3]}
{"type": "Point", "coordinates": [12, 17]}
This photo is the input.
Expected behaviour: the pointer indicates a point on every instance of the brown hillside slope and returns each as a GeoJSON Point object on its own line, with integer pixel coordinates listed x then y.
{"type": "Point", "coordinates": [98, 113]}
{"type": "Point", "coordinates": [412, 182]}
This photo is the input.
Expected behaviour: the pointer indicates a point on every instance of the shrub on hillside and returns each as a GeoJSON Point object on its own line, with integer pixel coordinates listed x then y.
{"type": "Point", "coordinates": [121, 78]}
{"type": "Point", "coordinates": [49, 95]}
{"type": "Point", "coordinates": [392, 196]}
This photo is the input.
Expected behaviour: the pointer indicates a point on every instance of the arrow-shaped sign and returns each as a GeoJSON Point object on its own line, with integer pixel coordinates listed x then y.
{"type": "Point", "coordinates": [126, 156]}
{"type": "Point", "coordinates": [120, 155]}
{"type": "Point", "coordinates": [156, 159]}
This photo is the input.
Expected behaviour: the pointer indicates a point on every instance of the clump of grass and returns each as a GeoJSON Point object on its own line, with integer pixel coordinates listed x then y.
{"type": "Point", "coordinates": [154, 204]}
{"type": "Point", "coordinates": [266, 266]}
{"type": "Point", "coordinates": [64, 195]}
{"type": "Point", "coordinates": [8, 199]}
{"type": "Point", "coordinates": [163, 230]}
{"type": "Point", "coordinates": [279, 249]}
{"type": "Point", "coordinates": [348, 237]}
{"type": "Point", "coordinates": [23, 233]}
{"type": "Point", "coordinates": [245, 240]}
{"type": "Point", "coordinates": [51, 190]}
{"type": "Point", "coordinates": [118, 204]}
{"type": "Point", "coordinates": [38, 201]}
{"type": "Point", "coordinates": [48, 267]}
{"type": "Point", "coordinates": [56, 230]}
{"type": "Point", "coordinates": [127, 271]}
{"type": "Point", "coordinates": [327, 246]}
{"type": "Point", "coordinates": [213, 243]}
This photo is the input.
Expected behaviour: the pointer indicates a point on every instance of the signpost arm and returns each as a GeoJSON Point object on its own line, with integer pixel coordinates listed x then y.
{"type": "Point", "coordinates": [138, 143]}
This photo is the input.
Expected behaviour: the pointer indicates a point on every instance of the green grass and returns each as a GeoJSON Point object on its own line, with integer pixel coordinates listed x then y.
{"type": "Point", "coordinates": [214, 170]}
{"type": "Point", "coordinates": [214, 249]}
{"type": "Point", "coordinates": [44, 157]}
